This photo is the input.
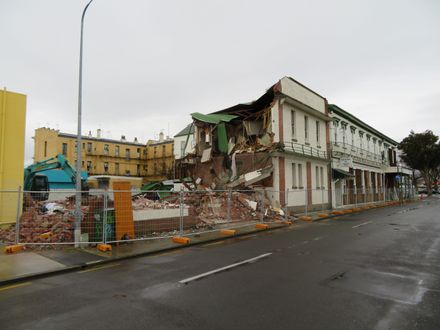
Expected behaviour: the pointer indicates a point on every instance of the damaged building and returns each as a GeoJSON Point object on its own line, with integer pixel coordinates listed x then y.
{"type": "Point", "coordinates": [276, 144]}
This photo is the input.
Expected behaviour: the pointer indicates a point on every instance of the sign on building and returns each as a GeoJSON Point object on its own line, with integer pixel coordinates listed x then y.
{"type": "Point", "coordinates": [345, 161]}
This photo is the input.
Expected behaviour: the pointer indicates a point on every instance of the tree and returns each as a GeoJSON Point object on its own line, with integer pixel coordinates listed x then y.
{"type": "Point", "coordinates": [421, 151]}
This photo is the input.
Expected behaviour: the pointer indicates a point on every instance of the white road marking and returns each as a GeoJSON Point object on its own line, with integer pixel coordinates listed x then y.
{"type": "Point", "coordinates": [362, 224]}
{"type": "Point", "coordinates": [196, 277]}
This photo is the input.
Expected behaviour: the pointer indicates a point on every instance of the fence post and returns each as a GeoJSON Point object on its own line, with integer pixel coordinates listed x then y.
{"type": "Point", "coordinates": [322, 198]}
{"type": "Point", "coordinates": [262, 206]}
{"type": "Point", "coordinates": [306, 201]}
{"type": "Point", "coordinates": [287, 203]}
{"type": "Point", "coordinates": [17, 220]}
{"type": "Point", "coordinates": [181, 211]}
{"type": "Point", "coordinates": [229, 205]}
{"type": "Point", "coordinates": [355, 188]}
{"type": "Point", "coordinates": [104, 220]}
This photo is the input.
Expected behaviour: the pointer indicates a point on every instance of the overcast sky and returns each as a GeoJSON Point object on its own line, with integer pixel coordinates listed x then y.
{"type": "Point", "coordinates": [149, 64]}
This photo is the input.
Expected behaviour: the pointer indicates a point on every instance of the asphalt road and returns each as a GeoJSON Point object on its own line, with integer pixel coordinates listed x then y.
{"type": "Point", "coordinates": [379, 269]}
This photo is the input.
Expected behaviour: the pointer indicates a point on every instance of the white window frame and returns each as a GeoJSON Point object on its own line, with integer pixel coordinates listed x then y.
{"type": "Point", "coordinates": [300, 176]}
{"type": "Point", "coordinates": [318, 133]}
{"type": "Point", "coordinates": [317, 177]}
{"type": "Point", "coordinates": [293, 123]}
{"type": "Point", "coordinates": [294, 176]}
{"type": "Point", "coordinates": [306, 128]}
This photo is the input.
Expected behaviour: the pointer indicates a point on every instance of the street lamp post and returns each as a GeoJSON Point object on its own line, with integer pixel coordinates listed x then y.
{"type": "Point", "coordinates": [78, 213]}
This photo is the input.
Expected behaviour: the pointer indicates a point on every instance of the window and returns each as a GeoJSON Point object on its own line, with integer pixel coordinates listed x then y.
{"type": "Point", "coordinates": [117, 168]}
{"type": "Point", "coordinates": [45, 148]}
{"type": "Point", "coordinates": [292, 123]}
{"type": "Point", "coordinates": [306, 128]}
{"type": "Point", "coordinates": [105, 167]}
{"type": "Point", "coordinates": [317, 176]}
{"type": "Point", "coordinates": [300, 176]}
{"type": "Point", "coordinates": [138, 170]}
{"type": "Point", "coordinates": [163, 151]}
{"type": "Point", "coordinates": [127, 153]}
{"type": "Point", "coordinates": [322, 177]}
{"type": "Point", "coordinates": [117, 151]}
{"type": "Point", "coordinates": [127, 173]}
{"type": "Point", "coordinates": [294, 183]}
{"type": "Point", "coordinates": [106, 149]}
{"type": "Point", "coordinates": [318, 137]}
{"type": "Point", "coordinates": [64, 148]}
{"type": "Point", "coordinates": [182, 148]}
{"type": "Point", "coordinates": [89, 166]}
{"type": "Point", "coordinates": [138, 153]}
{"type": "Point", "coordinates": [352, 138]}
{"type": "Point", "coordinates": [89, 147]}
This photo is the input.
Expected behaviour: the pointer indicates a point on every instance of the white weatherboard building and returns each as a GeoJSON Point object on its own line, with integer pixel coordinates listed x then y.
{"type": "Point", "coordinates": [364, 161]}
{"type": "Point", "coordinates": [184, 142]}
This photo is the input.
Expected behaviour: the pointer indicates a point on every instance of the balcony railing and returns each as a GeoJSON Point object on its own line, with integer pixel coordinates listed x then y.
{"type": "Point", "coordinates": [356, 152]}
{"type": "Point", "coordinates": [305, 150]}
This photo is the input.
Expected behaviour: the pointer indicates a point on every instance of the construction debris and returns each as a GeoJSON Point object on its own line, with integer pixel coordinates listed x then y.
{"type": "Point", "coordinates": [141, 202]}
{"type": "Point", "coordinates": [53, 222]}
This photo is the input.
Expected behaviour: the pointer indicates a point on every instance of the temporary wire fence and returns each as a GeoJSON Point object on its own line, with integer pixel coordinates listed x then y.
{"type": "Point", "coordinates": [107, 216]}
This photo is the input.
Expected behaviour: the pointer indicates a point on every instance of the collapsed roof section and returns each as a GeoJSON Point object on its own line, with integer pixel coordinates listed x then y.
{"type": "Point", "coordinates": [240, 128]}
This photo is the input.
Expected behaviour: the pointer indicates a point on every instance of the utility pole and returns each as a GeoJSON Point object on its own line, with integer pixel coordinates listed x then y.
{"type": "Point", "coordinates": [78, 213]}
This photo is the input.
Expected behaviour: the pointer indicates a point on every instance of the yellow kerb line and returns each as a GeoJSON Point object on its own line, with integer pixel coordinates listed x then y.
{"type": "Point", "coordinates": [3, 288]}
{"type": "Point", "coordinates": [98, 268]}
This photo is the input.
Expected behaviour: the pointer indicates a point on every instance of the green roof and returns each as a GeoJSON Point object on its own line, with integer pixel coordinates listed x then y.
{"type": "Point", "coordinates": [334, 108]}
{"type": "Point", "coordinates": [189, 129]}
{"type": "Point", "coordinates": [213, 118]}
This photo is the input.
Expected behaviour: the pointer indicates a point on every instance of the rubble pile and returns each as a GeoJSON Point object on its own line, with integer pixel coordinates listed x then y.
{"type": "Point", "coordinates": [211, 207]}
{"type": "Point", "coordinates": [141, 202]}
{"type": "Point", "coordinates": [39, 225]}
{"type": "Point", "coordinates": [7, 235]}
{"type": "Point", "coordinates": [49, 222]}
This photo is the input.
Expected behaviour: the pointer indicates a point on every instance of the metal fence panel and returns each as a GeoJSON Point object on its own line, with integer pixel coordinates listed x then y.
{"type": "Point", "coordinates": [119, 216]}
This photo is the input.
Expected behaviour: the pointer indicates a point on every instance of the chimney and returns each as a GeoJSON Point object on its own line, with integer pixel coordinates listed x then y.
{"type": "Point", "coordinates": [98, 133]}
{"type": "Point", "coordinates": [136, 140]}
{"type": "Point", "coordinates": [161, 137]}
{"type": "Point", "coordinates": [123, 138]}
{"type": "Point", "coordinates": [90, 133]}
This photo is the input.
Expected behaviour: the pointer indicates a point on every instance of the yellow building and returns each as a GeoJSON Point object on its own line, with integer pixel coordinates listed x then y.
{"type": "Point", "coordinates": [100, 156]}
{"type": "Point", "coordinates": [12, 134]}
{"type": "Point", "coordinates": [160, 159]}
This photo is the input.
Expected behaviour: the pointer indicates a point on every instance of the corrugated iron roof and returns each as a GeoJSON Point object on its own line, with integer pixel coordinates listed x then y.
{"type": "Point", "coordinates": [213, 118]}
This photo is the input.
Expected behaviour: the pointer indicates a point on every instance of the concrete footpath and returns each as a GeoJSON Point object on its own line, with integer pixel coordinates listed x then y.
{"type": "Point", "coordinates": [39, 262]}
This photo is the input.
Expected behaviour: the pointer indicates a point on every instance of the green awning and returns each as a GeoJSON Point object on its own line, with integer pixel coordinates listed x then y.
{"type": "Point", "coordinates": [213, 118]}
{"type": "Point", "coordinates": [341, 174]}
